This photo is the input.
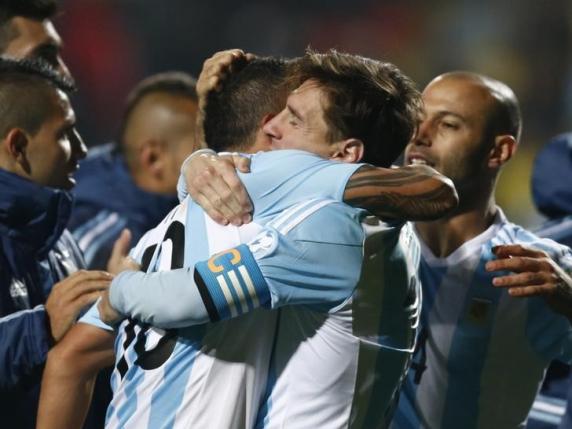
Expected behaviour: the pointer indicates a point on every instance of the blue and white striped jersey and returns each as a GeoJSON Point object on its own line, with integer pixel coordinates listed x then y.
{"type": "Point", "coordinates": [482, 354]}
{"type": "Point", "coordinates": [340, 367]}
{"type": "Point", "coordinates": [213, 375]}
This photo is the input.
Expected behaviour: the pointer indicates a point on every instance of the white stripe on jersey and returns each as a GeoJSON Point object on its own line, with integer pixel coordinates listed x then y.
{"type": "Point", "coordinates": [340, 369]}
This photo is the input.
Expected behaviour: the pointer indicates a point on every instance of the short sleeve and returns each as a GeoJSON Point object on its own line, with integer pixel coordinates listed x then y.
{"type": "Point", "coordinates": [281, 178]}
{"type": "Point", "coordinates": [91, 317]}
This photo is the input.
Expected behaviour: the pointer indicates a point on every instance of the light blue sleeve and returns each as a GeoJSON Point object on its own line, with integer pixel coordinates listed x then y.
{"type": "Point", "coordinates": [164, 299]}
{"type": "Point", "coordinates": [316, 262]}
{"type": "Point", "coordinates": [313, 260]}
{"type": "Point", "coordinates": [281, 178]}
{"type": "Point", "coordinates": [91, 317]}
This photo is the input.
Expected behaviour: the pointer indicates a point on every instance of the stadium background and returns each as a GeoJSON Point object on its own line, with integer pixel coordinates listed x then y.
{"type": "Point", "coordinates": [111, 44]}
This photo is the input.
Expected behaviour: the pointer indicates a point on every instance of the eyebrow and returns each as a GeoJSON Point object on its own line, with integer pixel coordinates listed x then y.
{"type": "Point", "coordinates": [442, 113]}
{"type": "Point", "coordinates": [294, 112]}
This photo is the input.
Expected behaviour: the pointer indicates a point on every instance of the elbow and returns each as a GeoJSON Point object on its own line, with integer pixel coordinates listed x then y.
{"type": "Point", "coordinates": [450, 196]}
{"type": "Point", "coordinates": [442, 199]}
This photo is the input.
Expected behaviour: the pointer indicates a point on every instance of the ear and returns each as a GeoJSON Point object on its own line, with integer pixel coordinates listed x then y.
{"type": "Point", "coordinates": [17, 144]}
{"type": "Point", "coordinates": [503, 150]}
{"type": "Point", "coordinates": [151, 157]}
{"type": "Point", "coordinates": [350, 150]}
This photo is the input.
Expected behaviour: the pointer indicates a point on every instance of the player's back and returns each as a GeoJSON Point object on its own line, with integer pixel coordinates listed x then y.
{"type": "Point", "coordinates": [340, 367]}
{"type": "Point", "coordinates": [205, 376]}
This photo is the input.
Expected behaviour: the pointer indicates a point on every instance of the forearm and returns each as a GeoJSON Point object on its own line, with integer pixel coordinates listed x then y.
{"type": "Point", "coordinates": [70, 373]}
{"type": "Point", "coordinates": [407, 193]}
{"type": "Point", "coordinates": [166, 299]}
{"type": "Point", "coordinates": [58, 382]}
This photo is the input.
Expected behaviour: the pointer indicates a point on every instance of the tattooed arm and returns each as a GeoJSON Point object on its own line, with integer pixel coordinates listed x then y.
{"type": "Point", "coordinates": [411, 193]}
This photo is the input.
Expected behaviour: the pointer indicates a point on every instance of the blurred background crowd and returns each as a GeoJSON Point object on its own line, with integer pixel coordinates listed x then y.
{"type": "Point", "coordinates": [111, 44]}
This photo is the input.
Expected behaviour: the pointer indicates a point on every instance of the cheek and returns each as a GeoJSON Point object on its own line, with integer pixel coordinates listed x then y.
{"type": "Point", "coordinates": [65, 149]}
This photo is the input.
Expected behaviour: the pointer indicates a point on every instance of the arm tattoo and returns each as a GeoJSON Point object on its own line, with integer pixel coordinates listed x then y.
{"type": "Point", "coordinates": [408, 193]}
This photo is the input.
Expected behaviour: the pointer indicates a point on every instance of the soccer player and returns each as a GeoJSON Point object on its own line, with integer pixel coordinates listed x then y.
{"type": "Point", "coordinates": [132, 184]}
{"type": "Point", "coordinates": [486, 336]}
{"type": "Point", "coordinates": [207, 303]}
{"type": "Point", "coordinates": [27, 32]}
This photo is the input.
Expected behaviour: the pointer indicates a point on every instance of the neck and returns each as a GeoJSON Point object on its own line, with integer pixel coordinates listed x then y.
{"type": "Point", "coordinates": [474, 215]}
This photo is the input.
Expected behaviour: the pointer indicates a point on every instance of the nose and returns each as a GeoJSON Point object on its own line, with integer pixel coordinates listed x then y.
{"type": "Point", "coordinates": [62, 68]}
{"type": "Point", "coordinates": [78, 146]}
{"type": "Point", "coordinates": [271, 128]}
{"type": "Point", "coordinates": [423, 135]}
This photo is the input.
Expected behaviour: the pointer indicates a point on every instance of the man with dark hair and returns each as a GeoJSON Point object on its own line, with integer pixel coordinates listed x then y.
{"type": "Point", "coordinates": [41, 291]}
{"type": "Point", "coordinates": [234, 107]}
{"type": "Point", "coordinates": [26, 31]}
{"type": "Point", "coordinates": [133, 184]}
{"type": "Point", "coordinates": [483, 349]}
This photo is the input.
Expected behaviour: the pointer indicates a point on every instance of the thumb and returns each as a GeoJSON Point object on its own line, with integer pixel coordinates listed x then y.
{"type": "Point", "coordinates": [120, 250]}
{"type": "Point", "coordinates": [122, 244]}
{"type": "Point", "coordinates": [242, 163]}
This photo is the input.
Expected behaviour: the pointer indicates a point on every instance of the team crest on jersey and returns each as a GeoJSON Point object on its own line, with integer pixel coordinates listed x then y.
{"type": "Point", "coordinates": [264, 243]}
{"type": "Point", "coordinates": [479, 310]}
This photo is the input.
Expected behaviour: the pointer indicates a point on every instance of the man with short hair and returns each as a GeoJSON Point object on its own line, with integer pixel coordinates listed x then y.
{"type": "Point", "coordinates": [199, 354]}
{"type": "Point", "coordinates": [133, 184]}
{"type": "Point", "coordinates": [483, 349]}
{"type": "Point", "coordinates": [41, 291]}
{"type": "Point", "coordinates": [26, 31]}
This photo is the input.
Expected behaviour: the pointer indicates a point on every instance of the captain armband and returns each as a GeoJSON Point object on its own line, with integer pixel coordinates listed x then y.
{"type": "Point", "coordinates": [231, 284]}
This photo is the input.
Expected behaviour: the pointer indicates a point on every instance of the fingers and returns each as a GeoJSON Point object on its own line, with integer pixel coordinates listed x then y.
{"type": "Point", "coordinates": [241, 163]}
{"type": "Point", "coordinates": [508, 250]}
{"type": "Point", "coordinates": [80, 276]}
{"type": "Point", "coordinates": [210, 210]}
{"type": "Point", "coordinates": [217, 68]}
{"type": "Point", "coordinates": [518, 264]}
{"type": "Point", "coordinates": [122, 244]}
{"type": "Point", "coordinates": [87, 299]}
{"type": "Point", "coordinates": [106, 311]}
{"type": "Point", "coordinates": [69, 296]}
{"type": "Point", "coordinates": [87, 287]}
{"type": "Point", "coordinates": [523, 279]}
{"type": "Point", "coordinates": [213, 183]}
{"type": "Point", "coordinates": [530, 291]}
{"type": "Point", "coordinates": [119, 252]}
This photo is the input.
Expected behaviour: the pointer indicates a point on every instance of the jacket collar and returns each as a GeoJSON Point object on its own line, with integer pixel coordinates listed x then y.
{"type": "Point", "coordinates": [32, 215]}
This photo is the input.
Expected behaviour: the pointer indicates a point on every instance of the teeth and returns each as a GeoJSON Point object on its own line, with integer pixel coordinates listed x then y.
{"type": "Point", "coordinates": [418, 161]}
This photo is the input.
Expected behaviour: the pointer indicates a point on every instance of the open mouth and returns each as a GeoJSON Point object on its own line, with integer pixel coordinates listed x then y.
{"type": "Point", "coordinates": [415, 159]}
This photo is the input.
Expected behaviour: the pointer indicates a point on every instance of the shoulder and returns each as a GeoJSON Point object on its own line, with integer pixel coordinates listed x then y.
{"type": "Point", "coordinates": [511, 233]}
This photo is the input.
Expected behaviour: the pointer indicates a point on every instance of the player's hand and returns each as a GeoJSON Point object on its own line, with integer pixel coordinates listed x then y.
{"type": "Point", "coordinates": [70, 296]}
{"type": "Point", "coordinates": [218, 67]}
{"type": "Point", "coordinates": [107, 313]}
{"type": "Point", "coordinates": [119, 259]}
{"type": "Point", "coordinates": [534, 273]}
{"type": "Point", "coordinates": [213, 183]}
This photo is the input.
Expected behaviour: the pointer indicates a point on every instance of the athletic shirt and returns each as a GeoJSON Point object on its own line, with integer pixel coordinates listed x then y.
{"type": "Point", "coordinates": [481, 354]}
{"type": "Point", "coordinates": [214, 375]}
{"type": "Point", "coordinates": [341, 368]}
